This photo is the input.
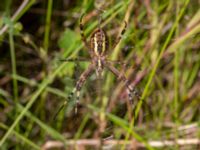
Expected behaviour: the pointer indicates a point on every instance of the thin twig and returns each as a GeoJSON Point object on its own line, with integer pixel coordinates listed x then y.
{"type": "Point", "coordinates": [94, 142]}
{"type": "Point", "coordinates": [15, 16]}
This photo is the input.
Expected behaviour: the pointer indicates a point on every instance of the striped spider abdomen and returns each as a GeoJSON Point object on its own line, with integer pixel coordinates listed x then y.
{"type": "Point", "coordinates": [99, 42]}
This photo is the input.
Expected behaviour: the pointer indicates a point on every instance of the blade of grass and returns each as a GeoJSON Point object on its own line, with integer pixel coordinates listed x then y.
{"type": "Point", "coordinates": [13, 62]}
{"type": "Point", "coordinates": [34, 83]}
{"type": "Point", "coordinates": [55, 134]}
{"type": "Point", "coordinates": [47, 26]}
{"type": "Point", "coordinates": [80, 129]}
{"type": "Point", "coordinates": [14, 69]}
{"type": "Point", "coordinates": [138, 107]}
{"type": "Point", "coordinates": [193, 28]}
{"type": "Point", "coordinates": [176, 83]}
{"type": "Point", "coordinates": [26, 4]}
{"type": "Point", "coordinates": [44, 84]}
{"type": "Point", "coordinates": [21, 137]}
{"type": "Point", "coordinates": [159, 59]}
{"type": "Point", "coordinates": [123, 124]}
{"type": "Point", "coordinates": [44, 54]}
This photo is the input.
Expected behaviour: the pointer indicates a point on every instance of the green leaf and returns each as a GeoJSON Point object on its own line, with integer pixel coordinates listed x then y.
{"type": "Point", "coordinates": [7, 21]}
{"type": "Point", "coordinates": [68, 39]}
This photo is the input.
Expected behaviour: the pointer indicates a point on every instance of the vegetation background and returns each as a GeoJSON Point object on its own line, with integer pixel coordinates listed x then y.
{"type": "Point", "coordinates": [161, 47]}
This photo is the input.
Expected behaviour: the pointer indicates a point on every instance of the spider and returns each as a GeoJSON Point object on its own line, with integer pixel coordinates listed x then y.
{"type": "Point", "coordinates": [98, 51]}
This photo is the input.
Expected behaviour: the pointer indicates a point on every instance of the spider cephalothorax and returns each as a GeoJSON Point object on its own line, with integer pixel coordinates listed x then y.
{"type": "Point", "coordinates": [98, 49]}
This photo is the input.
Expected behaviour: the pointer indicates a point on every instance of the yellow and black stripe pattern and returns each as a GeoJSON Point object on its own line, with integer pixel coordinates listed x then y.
{"type": "Point", "coordinates": [99, 42]}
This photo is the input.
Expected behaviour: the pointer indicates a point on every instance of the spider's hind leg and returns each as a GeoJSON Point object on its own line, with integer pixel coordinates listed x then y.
{"type": "Point", "coordinates": [77, 89]}
{"type": "Point", "coordinates": [80, 83]}
{"type": "Point", "coordinates": [71, 95]}
{"type": "Point", "coordinates": [130, 89]}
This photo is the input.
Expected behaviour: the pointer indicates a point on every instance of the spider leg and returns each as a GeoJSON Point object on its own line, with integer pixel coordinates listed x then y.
{"type": "Point", "coordinates": [83, 35]}
{"type": "Point", "coordinates": [82, 31]}
{"type": "Point", "coordinates": [77, 88]}
{"type": "Point", "coordinates": [120, 36]}
{"type": "Point", "coordinates": [79, 59]}
{"type": "Point", "coordinates": [131, 90]}
{"type": "Point", "coordinates": [80, 83]}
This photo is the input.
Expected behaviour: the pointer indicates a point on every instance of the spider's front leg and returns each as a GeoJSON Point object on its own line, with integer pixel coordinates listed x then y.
{"type": "Point", "coordinates": [80, 83]}
{"type": "Point", "coordinates": [131, 90]}
{"type": "Point", "coordinates": [120, 36]}
{"type": "Point", "coordinates": [83, 35]}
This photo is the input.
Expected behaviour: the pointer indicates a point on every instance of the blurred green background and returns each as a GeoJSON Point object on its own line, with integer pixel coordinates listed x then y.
{"type": "Point", "coordinates": [161, 47]}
